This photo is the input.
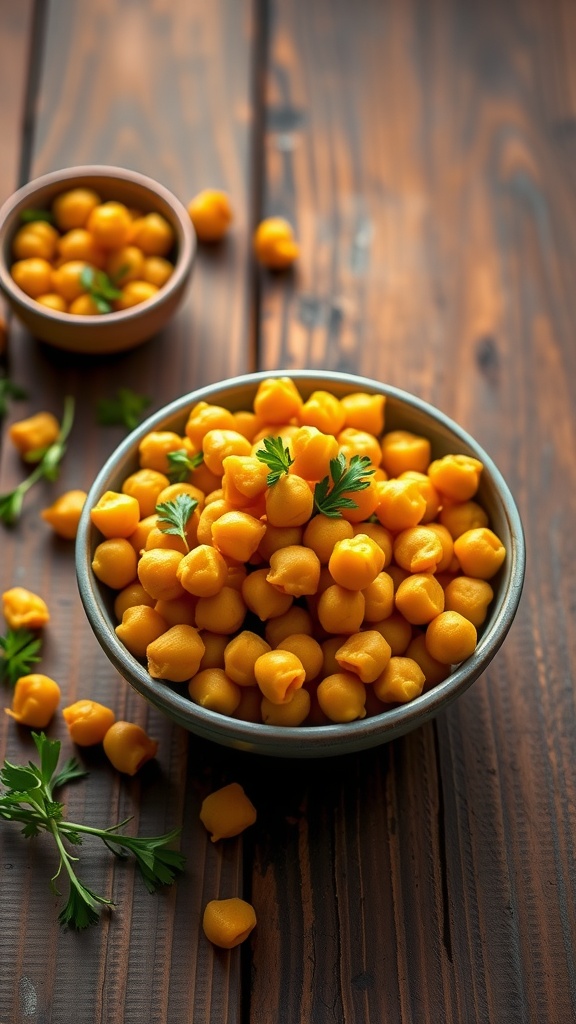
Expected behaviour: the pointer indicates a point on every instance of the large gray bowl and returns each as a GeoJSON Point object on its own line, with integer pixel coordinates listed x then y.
{"type": "Point", "coordinates": [402, 411]}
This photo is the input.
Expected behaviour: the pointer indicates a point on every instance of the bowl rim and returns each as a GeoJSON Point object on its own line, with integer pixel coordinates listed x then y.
{"type": "Point", "coordinates": [319, 740]}
{"type": "Point", "coordinates": [186, 241]}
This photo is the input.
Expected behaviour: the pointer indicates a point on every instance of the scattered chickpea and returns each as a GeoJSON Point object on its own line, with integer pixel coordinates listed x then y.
{"type": "Point", "coordinates": [88, 722]}
{"type": "Point", "coordinates": [23, 609]}
{"type": "Point", "coordinates": [227, 812]}
{"type": "Point", "coordinates": [227, 923]}
{"type": "Point", "coordinates": [128, 747]}
{"type": "Point", "coordinates": [34, 700]}
{"type": "Point", "coordinates": [211, 214]}
{"type": "Point", "coordinates": [63, 515]}
{"type": "Point", "coordinates": [274, 243]}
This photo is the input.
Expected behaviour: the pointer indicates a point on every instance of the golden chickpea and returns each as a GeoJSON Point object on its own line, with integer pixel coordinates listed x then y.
{"type": "Point", "coordinates": [145, 485]}
{"type": "Point", "coordinates": [214, 690]}
{"type": "Point", "coordinates": [72, 208]}
{"type": "Point", "coordinates": [403, 450]}
{"type": "Point", "coordinates": [294, 620]}
{"type": "Point", "coordinates": [289, 502]}
{"type": "Point", "coordinates": [240, 656]}
{"type": "Point", "coordinates": [401, 681]}
{"type": "Point", "coordinates": [110, 224]}
{"type": "Point", "coordinates": [79, 244]}
{"type": "Point", "coordinates": [451, 638]}
{"type": "Point", "coordinates": [67, 279]}
{"type": "Point", "coordinates": [158, 573]}
{"type": "Point", "coordinates": [227, 923]}
{"type": "Point", "coordinates": [307, 650]}
{"type": "Point", "coordinates": [211, 214]}
{"type": "Point", "coordinates": [480, 553]}
{"type": "Point", "coordinates": [274, 243]}
{"type": "Point", "coordinates": [222, 613]}
{"type": "Point", "coordinates": [279, 674]}
{"type": "Point", "coordinates": [342, 697]}
{"type": "Point", "coordinates": [364, 412]}
{"type": "Point", "coordinates": [34, 700]}
{"type": "Point", "coordinates": [152, 234]}
{"type": "Point", "coordinates": [23, 609]}
{"type": "Point", "coordinates": [53, 301]}
{"type": "Point", "coordinates": [263, 599]}
{"type": "Point", "coordinates": [203, 571]}
{"type": "Point", "coordinates": [33, 276]}
{"type": "Point", "coordinates": [294, 570]}
{"type": "Point", "coordinates": [115, 514]}
{"type": "Point", "coordinates": [63, 515]}
{"type": "Point", "coordinates": [456, 476]}
{"type": "Point", "coordinates": [420, 598]}
{"type": "Point", "coordinates": [88, 722]}
{"type": "Point", "coordinates": [356, 562]}
{"type": "Point", "coordinates": [34, 434]}
{"type": "Point", "coordinates": [341, 610]}
{"type": "Point", "coordinates": [140, 626]}
{"type": "Point", "coordinates": [176, 654]}
{"type": "Point", "coordinates": [156, 270]}
{"type": "Point", "coordinates": [287, 715]}
{"type": "Point", "coordinates": [84, 305]}
{"type": "Point", "coordinates": [125, 264]}
{"type": "Point", "coordinates": [114, 562]}
{"type": "Point", "coordinates": [365, 654]}
{"type": "Point", "coordinates": [133, 293]}
{"type": "Point", "coordinates": [37, 239]}
{"type": "Point", "coordinates": [128, 747]}
{"type": "Point", "coordinates": [227, 812]}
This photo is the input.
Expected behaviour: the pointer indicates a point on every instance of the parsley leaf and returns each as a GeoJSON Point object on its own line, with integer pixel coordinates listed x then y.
{"type": "Point", "coordinates": [29, 216]}
{"type": "Point", "coordinates": [175, 514]}
{"type": "Point", "coordinates": [331, 493]}
{"type": "Point", "coordinates": [124, 410]}
{"type": "Point", "coordinates": [100, 288]}
{"type": "Point", "coordinates": [182, 465]}
{"type": "Point", "coordinates": [9, 390]}
{"type": "Point", "coordinates": [19, 652]}
{"type": "Point", "coordinates": [276, 457]}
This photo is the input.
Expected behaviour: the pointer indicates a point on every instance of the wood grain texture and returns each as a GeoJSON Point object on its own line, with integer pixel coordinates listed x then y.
{"type": "Point", "coordinates": [433, 196]}
{"type": "Point", "coordinates": [164, 88]}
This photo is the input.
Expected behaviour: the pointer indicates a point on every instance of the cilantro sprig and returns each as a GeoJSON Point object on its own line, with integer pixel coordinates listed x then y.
{"type": "Point", "coordinates": [331, 493]}
{"type": "Point", "coordinates": [31, 215]}
{"type": "Point", "coordinates": [28, 798]}
{"type": "Point", "coordinates": [9, 391]}
{"type": "Point", "coordinates": [47, 468]}
{"type": "Point", "coordinates": [19, 652]}
{"type": "Point", "coordinates": [276, 456]}
{"type": "Point", "coordinates": [173, 516]}
{"type": "Point", "coordinates": [181, 465]}
{"type": "Point", "coordinates": [124, 409]}
{"type": "Point", "coordinates": [102, 289]}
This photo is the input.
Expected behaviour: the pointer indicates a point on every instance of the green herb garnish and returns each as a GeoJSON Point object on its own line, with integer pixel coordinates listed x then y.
{"type": "Point", "coordinates": [182, 465]}
{"type": "Point", "coordinates": [9, 390]}
{"type": "Point", "coordinates": [100, 288]}
{"type": "Point", "coordinates": [124, 410]}
{"type": "Point", "coordinates": [48, 468]}
{"type": "Point", "coordinates": [276, 457]}
{"type": "Point", "coordinates": [175, 514]}
{"type": "Point", "coordinates": [29, 216]}
{"type": "Point", "coordinates": [330, 500]}
{"type": "Point", "coordinates": [29, 799]}
{"type": "Point", "coordinates": [19, 649]}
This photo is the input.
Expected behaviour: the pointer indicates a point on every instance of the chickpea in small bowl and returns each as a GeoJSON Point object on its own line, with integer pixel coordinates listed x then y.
{"type": "Point", "coordinates": [95, 259]}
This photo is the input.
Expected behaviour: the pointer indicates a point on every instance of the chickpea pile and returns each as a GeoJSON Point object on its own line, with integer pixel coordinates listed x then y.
{"type": "Point", "coordinates": [92, 256]}
{"type": "Point", "coordinates": [268, 609]}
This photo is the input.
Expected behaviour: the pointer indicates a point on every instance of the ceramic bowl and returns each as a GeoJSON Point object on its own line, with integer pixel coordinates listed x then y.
{"type": "Point", "coordinates": [403, 411]}
{"type": "Point", "coordinates": [108, 332]}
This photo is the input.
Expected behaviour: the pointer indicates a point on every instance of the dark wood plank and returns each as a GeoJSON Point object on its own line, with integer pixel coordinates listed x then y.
{"type": "Point", "coordinates": [433, 195]}
{"type": "Point", "coordinates": [164, 88]}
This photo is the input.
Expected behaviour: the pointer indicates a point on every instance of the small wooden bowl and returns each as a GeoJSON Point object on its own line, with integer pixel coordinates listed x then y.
{"type": "Point", "coordinates": [108, 332]}
{"type": "Point", "coordinates": [403, 411]}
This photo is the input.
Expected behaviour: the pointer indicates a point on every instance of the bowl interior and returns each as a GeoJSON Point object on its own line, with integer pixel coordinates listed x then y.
{"type": "Point", "coordinates": [403, 411]}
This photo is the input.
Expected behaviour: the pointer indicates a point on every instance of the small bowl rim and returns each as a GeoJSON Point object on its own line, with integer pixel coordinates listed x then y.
{"type": "Point", "coordinates": [187, 243]}
{"type": "Point", "coordinates": [309, 741]}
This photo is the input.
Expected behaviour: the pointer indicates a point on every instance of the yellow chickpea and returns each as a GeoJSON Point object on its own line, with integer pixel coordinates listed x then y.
{"type": "Point", "coordinates": [342, 697]}
{"type": "Point", "coordinates": [37, 239]}
{"type": "Point", "coordinates": [227, 923]}
{"type": "Point", "coordinates": [312, 451]}
{"type": "Point", "coordinates": [128, 747]}
{"type": "Point", "coordinates": [379, 598]}
{"type": "Point", "coordinates": [158, 573]}
{"type": "Point", "coordinates": [307, 650]}
{"type": "Point", "coordinates": [420, 598]}
{"type": "Point", "coordinates": [289, 502]}
{"type": "Point", "coordinates": [53, 301]}
{"type": "Point", "coordinates": [294, 620]}
{"type": "Point", "coordinates": [322, 533]}
{"type": "Point", "coordinates": [133, 293]}
{"type": "Point", "coordinates": [211, 214]}
{"type": "Point", "coordinates": [294, 570]}
{"type": "Point", "coordinates": [214, 690]}
{"type": "Point", "coordinates": [156, 270]}
{"type": "Point", "coordinates": [217, 444]}
{"type": "Point", "coordinates": [403, 450]}
{"type": "Point", "coordinates": [434, 671]}
{"type": "Point", "coordinates": [153, 234]}
{"type": "Point", "coordinates": [323, 411]}
{"type": "Point", "coordinates": [356, 562]}
{"type": "Point", "coordinates": [379, 534]}
{"type": "Point", "coordinates": [447, 543]}
{"type": "Point", "coordinates": [115, 562]}
{"type": "Point", "coordinates": [418, 549]}
{"type": "Point", "coordinates": [154, 448]}
{"type": "Point", "coordinates": [33, 434]}
{"type": "Point", "coordinates": [34, 700]}
{"type": "Point", "coordinates": [364, 412]}
{"type": "Point", "coordinates": [128, 597]}
{"type": "Point", "coordinates": [125, 264]}
{"type": "Point", "coordinates": [263, 599]}
{"type": "Point", "coordinates": [79, 244]}
{"type": "Point", "coordinates": [237, 535]}
{"type": "Point", "coordinates": [72, 208]}
{"type": "Point", "coordinates": [145, 485]}
{"type": "Point", "coordinates": [23, 609]}
{"type": "Point", "coordinates": [277, 400]}
{"type": "Point", "coordinates": [140, 626]}
{"type": "Point", "coordinates": [359, 442]}
{"type": "Point", "coordinates": [274, 243]}
{"type": "Point", "coordinates": [210, 513]}
{"type": "Point", "coordinates": [396, 630]}
{"type": "Point", "coordinates": [203, 571]}
{"type": "Point", "coordinates": [63, 515]}
{"type": "Point", "coordinates": [139, 537]}
{"type": "Point", "coordinates": [279, 674]}
{"type": "Point", "coordinates": [456, 476]}
{"type": "Point", "coordinates": [401, 504]}
{"type": "Point", "coordinates": [341, 610]}
{"type": "Point", "coordinates": [110, 224]}
{"type": "Point", "coordinates": [177, 611]}
{"type": "Point", "coordinates": [401, 681]}
{"type": "Point", "coordinates": [428, 492]}
{"type": "Point", "coordinates": [227, 812]}
{"type": "Point", "coordinates": [33, 276]}
{"type": "Point", "coordinates": [240, 656]}
{"type": "Point", "coordinates": [67, 279]}
{"type": "Point", "coordinates": [471, 597]}
{"type": "Point", "coordinates": [88, 722]}
{"type": "Point", "coordinates": [480, 553]}
{"type": "Point", "coordinates": [365, 654]}
{"type": "Point", "coordinates": [458, 517]}
{"type": "Point", "coordinates": [115, 514]}
{"type": "Point", "coordinates": [278, 537]}
{"type": "Point", "coordinates": [222, 613]}
{"type": "Point", "coordinates": [244, 479]}
{"type": "Point", "coordinates": [204, 417]}
{"type": "Point", "coordinates": [84, 305]}
{"type": "Point", "coordinates": [214, 646]}
{"type": "Point", "coordinates": [176, 654]}
{"type": "Point", "coordinates": [287, 715]}
{"type": "Point", "coordinates": [250, 705]}
{"type": "Point", "coordinates": [451, 638]}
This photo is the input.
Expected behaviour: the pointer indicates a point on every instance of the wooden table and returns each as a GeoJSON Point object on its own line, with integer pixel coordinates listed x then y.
{"type": "Point", "coordinates": [425, 152]}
